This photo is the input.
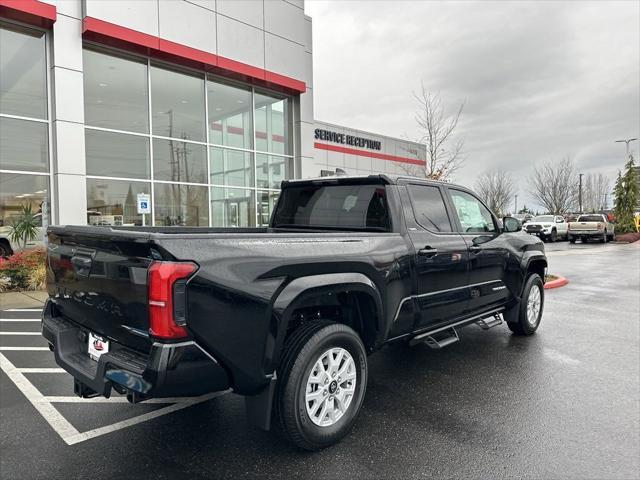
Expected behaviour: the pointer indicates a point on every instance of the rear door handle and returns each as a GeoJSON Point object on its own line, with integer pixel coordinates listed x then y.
{"type": "Point", "coordinates": [428, 251]}
{"type": "Point", "coordinates": [474, 249]}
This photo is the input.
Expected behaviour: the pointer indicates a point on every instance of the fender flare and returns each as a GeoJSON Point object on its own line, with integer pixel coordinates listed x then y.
{"type": "Point", "coordinates": [301, 288]}
{"type": "Point", "coordinates": [527, 258]}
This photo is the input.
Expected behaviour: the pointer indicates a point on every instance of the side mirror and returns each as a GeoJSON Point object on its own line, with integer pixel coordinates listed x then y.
{"type": "Point", "coordinates": [511, 224]}
{"type": "Point", "coordinates": [559, 220]}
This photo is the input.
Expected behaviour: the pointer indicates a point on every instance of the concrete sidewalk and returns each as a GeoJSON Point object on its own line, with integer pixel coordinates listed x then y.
{"type": "Point", "coordinates": [33, 299]}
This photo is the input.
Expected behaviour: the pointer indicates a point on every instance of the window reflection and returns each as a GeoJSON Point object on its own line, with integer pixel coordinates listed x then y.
{"type": "Point", "coordinates": [18, 191]}
{"type": "Point", "coordinates": [229, 115]}
{"type": "Point", "coordinates": [232, 207]}
{"type": "Point", "coordinates": [181, 205]}
{"type": "Point", "coordinates": [177, 102]}
{"type": "Point", "coordinates": [177, 161]}
{"type": "Point", "coordinates": [231, 167]}
{"type": "Point", "coordinates": [115, 92]}
{"type": "Point", "coordinates": [266, 202]}
{"type": "Point", "coordinates": [271, 170]}
{"type": "Point", "coordinates": [23, 75]}
{"type": "Point", "coordinates": [117, 154]}
{"type": "Point", "coordinates": [114, 202]}
{"type": "Point", "coordinates": [23, 145]}
{"type": "Point", "coordinates": [272, 119]}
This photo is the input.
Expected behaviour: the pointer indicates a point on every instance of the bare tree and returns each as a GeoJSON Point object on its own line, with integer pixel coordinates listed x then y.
{"type": "Point", "coordinates": [444, 151]}
{"type": "Point", "coordinates": [496, 189]}
{"type": "Point", "coordinates": [553, 185]}
{"type": "Point", "coordinates": [594, 189]}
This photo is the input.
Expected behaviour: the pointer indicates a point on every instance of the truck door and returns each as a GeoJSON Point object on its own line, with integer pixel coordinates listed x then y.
{"type": "Point", "coordinates": [440, 256]}
{"type": "Point", "coordinates": [488, 255]}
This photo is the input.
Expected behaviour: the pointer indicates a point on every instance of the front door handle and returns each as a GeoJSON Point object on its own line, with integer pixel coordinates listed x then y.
{"type": "Point", "coordinates": [427, 252]}
{"type": "Point", "coordinates": [474, 249]}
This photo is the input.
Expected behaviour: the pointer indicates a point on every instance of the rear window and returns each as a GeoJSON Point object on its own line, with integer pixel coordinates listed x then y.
{"type": "Point", "coordinates": [590, 218]}
{"type": "Point", "coordinates": [339, 207]}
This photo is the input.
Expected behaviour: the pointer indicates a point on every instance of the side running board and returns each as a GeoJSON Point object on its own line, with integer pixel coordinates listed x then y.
{"type": "Point", "coordinates": [442, 339]}
{"type": "Point", "coordinates": [490, 322]}
{"type": "Point", "coordinates": [442, 336]}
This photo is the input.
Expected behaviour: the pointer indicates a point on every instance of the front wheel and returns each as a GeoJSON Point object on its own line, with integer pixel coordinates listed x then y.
{"type": "Point", "coordinates": [554, 236]}
{"type": "Point", "coordinates": [603, 239]}
{"type": "Point", "coordinates": [524, 317]}
{"type": "Point", "coordinates": [322, 381]}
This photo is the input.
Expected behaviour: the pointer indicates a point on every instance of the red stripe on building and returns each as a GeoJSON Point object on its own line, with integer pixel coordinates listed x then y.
{"type": "Point", "coordinates": [367, 153]}
{"type": "Point", "coordinates": [126, 38]}
{"type": "Point", "coordinates": [38, 14]}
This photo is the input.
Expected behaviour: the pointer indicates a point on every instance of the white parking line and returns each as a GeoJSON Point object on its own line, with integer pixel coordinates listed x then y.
{"type": "Point", "coordinates": [23, 310]}
{"type": "Point", "coordinates": [96, 432]}
{"type": "Point", "coordinates": [60, 424]}
{"type": "Point", "coordinates": [19, 320]}
{"type": "Point", "coordinates": [41, 370]}
{"type": "Point", "coordinates": [20, 333]}
{"type": "Point", "coordinates": [25, 349]}
{"type": "Point", "coordinates": [155, 401]}
{"type": "Point", "coordinates": [68, 433]}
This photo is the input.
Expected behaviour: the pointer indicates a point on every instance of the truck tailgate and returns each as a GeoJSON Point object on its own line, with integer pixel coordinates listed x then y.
{"type": "Point", "coordinates": [99, 281]}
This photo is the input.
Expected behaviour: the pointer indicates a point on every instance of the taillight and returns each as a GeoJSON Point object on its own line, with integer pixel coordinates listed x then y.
{"type": "Point", "coordinates": [600, 226]}
{"type": "Point", "coordinates": [166, 298]}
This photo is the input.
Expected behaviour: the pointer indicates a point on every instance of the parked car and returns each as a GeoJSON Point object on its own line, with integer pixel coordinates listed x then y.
{"type": "Point", "coordinates": [9, 247]}
{"type": "Point", "coordinates": [523, 217]}
{"type": "Point", "coordinates": [594, 225]}
{"type": "Point", "coordinates": [548, 227]}
{"type": "Point", "coordinates": [286, 315]}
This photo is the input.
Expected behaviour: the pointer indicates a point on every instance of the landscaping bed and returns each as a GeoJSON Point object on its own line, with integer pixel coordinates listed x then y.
{"type": "Point", "coordinates": [628, 237]}
{"type": "Point", "coordinates": [23, 271]}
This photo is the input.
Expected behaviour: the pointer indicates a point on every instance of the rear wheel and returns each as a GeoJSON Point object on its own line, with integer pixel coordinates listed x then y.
{"type": "Point", "coordinates": [5, 249]}
{"type": "Point", "coordinates": [524, 317]}
{"type": "Point", "coordinates": [323, 378]}
{"type": "Point", "coordinates": [572, 239]}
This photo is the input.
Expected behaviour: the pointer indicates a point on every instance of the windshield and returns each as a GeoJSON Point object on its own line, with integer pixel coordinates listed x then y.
{"type": "Point", "coordinates": [544, 219]}
{"type": "Point", "coordinates": [336, 207]}
{"type": "Point", "coordinates": [590, 218]}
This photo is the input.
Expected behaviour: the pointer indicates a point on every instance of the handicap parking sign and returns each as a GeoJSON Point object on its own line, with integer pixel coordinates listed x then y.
{"type": "Point", "coordinates": [144, 203]}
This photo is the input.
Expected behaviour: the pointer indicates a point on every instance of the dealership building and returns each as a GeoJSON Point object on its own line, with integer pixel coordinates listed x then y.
{"type": "Point", "coordinates": [192, 111]}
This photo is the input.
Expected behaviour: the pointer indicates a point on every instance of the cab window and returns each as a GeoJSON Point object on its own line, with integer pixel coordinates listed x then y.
{"type": "Point", "coordinates": [428, 208]}
{"type": "Point", "coordinates": [473, 215]}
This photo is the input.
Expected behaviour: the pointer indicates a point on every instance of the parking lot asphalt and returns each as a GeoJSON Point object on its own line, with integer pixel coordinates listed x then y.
{"type": "Point", "coordinates": [564, 403]}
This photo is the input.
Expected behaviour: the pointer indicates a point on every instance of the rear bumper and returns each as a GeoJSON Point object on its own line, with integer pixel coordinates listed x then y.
{"type": "Point", "coordinates": [586, 233]}
{"type": "Point", "coordinates": [168, 370]}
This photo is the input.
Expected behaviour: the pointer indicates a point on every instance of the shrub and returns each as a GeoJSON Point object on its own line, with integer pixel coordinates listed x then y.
{"type": "Point", "coordinates": [23, 270]}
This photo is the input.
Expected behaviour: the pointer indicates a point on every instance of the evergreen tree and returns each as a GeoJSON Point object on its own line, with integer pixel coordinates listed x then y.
{"type": "Point", "coordinates": [626, 198]}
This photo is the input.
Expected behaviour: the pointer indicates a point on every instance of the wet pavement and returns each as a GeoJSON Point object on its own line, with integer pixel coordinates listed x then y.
{"type": "Point", "coordinates": [564, 403]}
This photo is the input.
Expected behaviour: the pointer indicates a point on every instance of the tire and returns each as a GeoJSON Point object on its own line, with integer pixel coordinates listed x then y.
{"type": "Point", "coordinates": [5, 250]}
{"type": "Point", "coordinates": [518, 316]}
{"type": "Point", "coordinates": [303, 351]}
{"type": "Point", "coordinates": [604, 237]}
{"type": "Point", "coordinates": [554, 236]}
{"type": "Point", "coordinates": [572, 239]}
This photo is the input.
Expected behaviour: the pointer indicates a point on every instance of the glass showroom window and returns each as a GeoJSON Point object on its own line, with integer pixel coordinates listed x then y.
{"type": "Point", "coordinates": [233, 207]}
{"type": "Point", "coordinates": [24, 124]}
{"type": "Point", "coordinates": [113, 202]}
{"type": "Point", "coordinates": [191, 136]}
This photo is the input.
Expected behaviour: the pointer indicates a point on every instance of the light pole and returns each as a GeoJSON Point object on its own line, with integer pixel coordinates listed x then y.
{"type": "Point", "coordinates": [580, 193]}
{"type": "Point", "coordinates": [627, 142]}
{"type": "Point", "coordinates": [515, 206]}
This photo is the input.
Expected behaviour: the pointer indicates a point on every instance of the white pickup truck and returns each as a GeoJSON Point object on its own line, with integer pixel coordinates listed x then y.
{"type": "Point", "coordinates": [593, 225]}
{"type": "Point", "coordinates": [547, 227]}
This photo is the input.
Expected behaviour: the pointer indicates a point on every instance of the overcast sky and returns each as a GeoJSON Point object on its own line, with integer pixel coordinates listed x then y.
{"type": "Point", "coordinates": [541, 80]}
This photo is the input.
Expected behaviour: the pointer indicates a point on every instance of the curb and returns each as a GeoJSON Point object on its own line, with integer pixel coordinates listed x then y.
{"type": "Point", "coordinates": [558, 282]}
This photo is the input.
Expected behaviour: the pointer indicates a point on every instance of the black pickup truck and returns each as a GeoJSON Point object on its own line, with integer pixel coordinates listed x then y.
{"type": "Point", "coordinates": [287, 315]}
